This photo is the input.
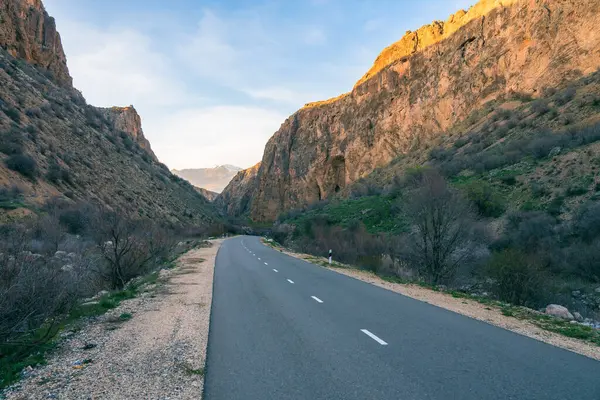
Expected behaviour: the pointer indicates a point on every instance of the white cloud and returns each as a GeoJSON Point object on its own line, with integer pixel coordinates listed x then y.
{"type": "Point", "coordinates": [176, 82]}
{"type": "Point", "coordinates": [119, 66]}
{"type": "Point", "coordinates": [315, 36]}
{"type": "Point", "coordinates": [208, 52]}
{"type": "Point", "coordinates": [214, 135]}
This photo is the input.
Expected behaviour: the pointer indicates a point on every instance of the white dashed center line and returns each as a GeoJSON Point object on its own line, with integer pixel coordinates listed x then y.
{"type": "Point", "coordinates": [318, 300]}
{"type": "Point", "coordinates": [290, 281]}
{"type": "Point", "coordinates": [258, 258]}
{"type": "Point", "coordinates": [275, 270]}
{"type": "Point", "coordinates": [266, 264]}
{"type": "Point", "coordinates": [375, 338]}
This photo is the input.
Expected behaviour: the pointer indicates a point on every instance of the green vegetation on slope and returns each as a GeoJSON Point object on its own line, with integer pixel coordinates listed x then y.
{"type": "Point", "coordinates": [529, 170]}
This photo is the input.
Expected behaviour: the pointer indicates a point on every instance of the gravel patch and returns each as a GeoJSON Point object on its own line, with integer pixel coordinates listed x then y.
{"type": "Point", "coordinates": [470, 308]}
{"type": "Point", "coordinates": [158, 353]}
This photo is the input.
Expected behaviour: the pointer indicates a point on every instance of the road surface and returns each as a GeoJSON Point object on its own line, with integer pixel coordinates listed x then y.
{"type": "Point", "coordinates": [282, 328]}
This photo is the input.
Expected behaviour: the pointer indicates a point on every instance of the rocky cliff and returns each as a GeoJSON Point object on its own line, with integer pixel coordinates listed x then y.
{"type": "Point", "coordinates": [126, 119]}
{"type": "Point", "coordinates": [237, 197]}
{"type": "Point", "coordinates": [29, 33]}
{"type": "Point", "coordinates": [54, 145]}
{"type": "Point", "coordinates": [418, 88]}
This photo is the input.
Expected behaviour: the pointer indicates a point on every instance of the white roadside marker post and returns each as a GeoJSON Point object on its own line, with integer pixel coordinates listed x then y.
{"type": "Point", "coordinates": [330, 256]}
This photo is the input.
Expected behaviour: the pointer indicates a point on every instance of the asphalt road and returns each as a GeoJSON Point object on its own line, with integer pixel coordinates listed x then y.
{"type": "Point", "coordinates": [282, 328]}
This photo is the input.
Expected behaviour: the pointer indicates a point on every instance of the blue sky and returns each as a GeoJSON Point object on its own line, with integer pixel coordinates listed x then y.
{"type": "Point", "coordinates": [213, 80]}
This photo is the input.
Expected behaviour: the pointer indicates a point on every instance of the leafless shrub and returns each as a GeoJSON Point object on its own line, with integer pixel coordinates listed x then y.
{"type": "Point", "coordinates": [129, 248]}
{"type": "Point", "coordinates": [442, 225]}
{"type": "Point", "coordinates": [34, 290]}
{"type": "Point", "coordinates": [517, 277]}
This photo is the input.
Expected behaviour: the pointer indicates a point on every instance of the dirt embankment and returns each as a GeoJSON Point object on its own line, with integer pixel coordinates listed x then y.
{"type": "Point", "coordinates": [150, 347]}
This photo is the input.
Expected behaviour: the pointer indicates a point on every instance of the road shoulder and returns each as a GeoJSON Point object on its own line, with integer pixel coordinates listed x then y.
{"type": "Point", "coordinates": [152, 346]}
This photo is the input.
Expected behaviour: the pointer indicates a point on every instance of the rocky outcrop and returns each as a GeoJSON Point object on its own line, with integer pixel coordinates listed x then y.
{"type": "Point", "coordinates": [433, 33]}
{"type": "Point", "coordinates": [29, 33]}
{"type": "Point", "coordinates": [126, 119]}
{"type": "Point", "coordinates": [55, 145]}
{"type": "Point", "coordinates": [559, 311]}
{"type": "Point", "coordinates": [236, 198]}
{"type": "Point", "coordinates": [418, 88]}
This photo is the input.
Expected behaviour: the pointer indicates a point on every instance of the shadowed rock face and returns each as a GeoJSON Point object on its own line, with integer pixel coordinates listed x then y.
{"type": "Point", "coordinates": [29, 33]}
{"type": "Point", "coordinates": [236, 198]}
{"type": "Point", "coordinates": [418, 88]}
{"type": "Point", "coordinates": [210, 196]}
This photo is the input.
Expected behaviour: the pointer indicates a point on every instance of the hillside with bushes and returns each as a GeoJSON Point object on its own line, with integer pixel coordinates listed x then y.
{"type": "Point", "coordinates": [468, 157]}
{"type": "Point", "coordinates": [85, 205]}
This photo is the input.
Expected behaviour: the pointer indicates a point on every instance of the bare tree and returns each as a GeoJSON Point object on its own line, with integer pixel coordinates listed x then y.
{"type": "Point", "coordinates": [130, 248]}
{"type": "Point", "coordinates": [442, 225]}
{"type": "Point", "coordinates": [34, 292]}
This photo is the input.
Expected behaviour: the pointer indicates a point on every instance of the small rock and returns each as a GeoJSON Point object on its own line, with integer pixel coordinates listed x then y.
{"type": "Point", "coordinates": [163, 272]}
{"type": "Point", "coordinates": [555, 151]}
{"type": "Point", "coordinates": [60, 254]}
{"type": "Point", "coordinates": [559, 311]}
{"type": "Point", "coordinates": [101, 293]}
{"type": "Point", "coordinates": [89, 346]}
{"type": "Point", "coordinates": [67, 268]}
{"type": "Point", "coordinates": [577, 316]}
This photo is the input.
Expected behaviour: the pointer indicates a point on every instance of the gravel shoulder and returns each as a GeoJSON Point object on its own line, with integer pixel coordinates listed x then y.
{"type": "Point", "coordinates": [150, 347]}
{"type": "Point", "coordinates": [473, 309]}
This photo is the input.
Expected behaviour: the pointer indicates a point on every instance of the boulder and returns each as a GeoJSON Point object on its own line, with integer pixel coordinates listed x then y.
{"type": "Point", "coordinates": [60, 254]}
{"type": "Point", "coordinates": [559, 311]}
{"type": "Point", "coordinates": [67, 268]}
{"type": "Point", "coordinates": [577, 317]}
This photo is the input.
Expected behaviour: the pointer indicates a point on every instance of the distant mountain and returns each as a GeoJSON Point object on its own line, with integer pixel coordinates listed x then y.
{"type": "Point", "coordinates": [213, 179]}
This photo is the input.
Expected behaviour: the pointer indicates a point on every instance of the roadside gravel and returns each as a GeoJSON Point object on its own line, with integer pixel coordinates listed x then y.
{"type": "Point", "coordinates": [470, 308]}
{"type": "Point", "coordinates": [157, 354]}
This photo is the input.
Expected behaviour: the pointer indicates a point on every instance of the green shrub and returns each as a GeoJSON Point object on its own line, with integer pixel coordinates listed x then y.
{"type": "Point", "coordinates": [518, 278]}
{"type": "Point", "coordinates": [23, 164]}
{"type": "Point", "coordinates": [565, 96]}
{"type": "Point", "coordinates": [487, 201]}
{"type": "Point", "coordinates": [555, 206]}
{"type": "Point", "coordinates": [11, 142]}
{"type": "Point", "coordinates": [13, 114]}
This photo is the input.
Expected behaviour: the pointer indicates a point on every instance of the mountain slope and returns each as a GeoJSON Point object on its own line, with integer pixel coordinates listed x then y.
{"type": "Point", "coordinates": [210, 196]}
{"type": "Point", "coordinates": [53, 144]}
{"type": "Point", "coordinates": [237, 197]}
{"type": "Point", "coordinates": [418, 90]}
{"type": "Point", "coordinates": [212, 179]}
